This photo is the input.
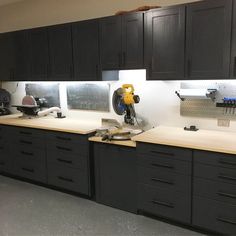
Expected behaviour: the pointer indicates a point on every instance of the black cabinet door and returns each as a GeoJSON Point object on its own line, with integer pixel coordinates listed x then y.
{"type": "Point", "coordinates": [39, 54]}
{"type": "Point", "coordinates": [164, 43]}
{"type": "Point", "coordinates": [60, 52]}
{"type": "Point", "coordinates": [115, 176]}
{"type": "Point", "coordinates": [233, 46]}
{"type": "Point", "coordinates": [208, 39]}
{"type": "Point", "coordinates": [132, 41]}
{"type": "Point", "coordinates": [6, 57]}
{"type": "Point", "coordinates": [86, 50]}
{"type": "Point", "coordinates": [110, 42]}
{"type": "Point", "coordinates": [21, 55]}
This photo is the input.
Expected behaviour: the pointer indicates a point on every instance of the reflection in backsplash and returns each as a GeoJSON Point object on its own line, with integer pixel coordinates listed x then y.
{"type": "Point", "coordinates": [48, 91]}
{"type": "Point", "coordinates": [88, 96]}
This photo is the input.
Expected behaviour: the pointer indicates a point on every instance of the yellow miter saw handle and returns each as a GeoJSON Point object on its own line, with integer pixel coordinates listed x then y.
{"type": "Point", "coordinates": [128, 94]}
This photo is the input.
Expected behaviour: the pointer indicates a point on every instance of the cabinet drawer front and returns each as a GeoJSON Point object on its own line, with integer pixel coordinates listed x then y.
{"type": "Point", "coordinates": [165, 151]}
{"type": "Point", "coordinates": [30, 170]}
{"type": "Point", "coordinates": [30, 154]}
{"type": "Point", "coordinates": [214, 215]}
{"type": "Point", "coordinates": [216, 190]}
{"type": "Point", "coordinates": [67, 138]}
{"type": "Point", "coordinates": [74, 160]}
{"type": "Point", "coordinates": [164, 179]}
{"type": "Point", "coordinates": [214, 173]}
{"type": "Point", "coordinates": [29, 141]}
{"type": "Point", "coordinates": [68, 178]}
{"type": "Point", "coordinates": [68, 148]}
{"type": "Point", "coordinates": [26, 132]}
{"type": "Point", "coordinates": [166, 203]}
{"type": "Point", "coordinates": [163, 163]}
{"type": "Point", "coordinates": [216, 159]}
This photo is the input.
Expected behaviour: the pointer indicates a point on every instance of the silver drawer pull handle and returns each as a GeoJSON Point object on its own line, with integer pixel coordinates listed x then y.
{"type": "Point", "coordinates": [226, 221]}
{"type": "Point", "coordinates": [163, 153]}
{"type": "Point", "coordinates": [162, 181]}
{"type": "Point", "coordinates": [227, 162]}
{"type": "Point", "coordinates": [167, 204]}
{"type": "Point", "coordinates": [65, 179]}
{"type": "Point", "coordinates": [162, 165]}
{"type": "Point", "coordinates": [222, 176]}
{"type": "Point", "coordinates": [226, 194]}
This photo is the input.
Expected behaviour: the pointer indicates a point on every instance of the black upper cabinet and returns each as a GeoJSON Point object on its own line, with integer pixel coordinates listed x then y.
{"type": "Point", "coordinates": [164, 43]}
{"type": "Point", "coordinates": [233, 52]}
{"type": "Point", "coordinates": [21, 68]}
{"type": "Point", "coordinates": [39, 54]}
{"type": "Point", "coordinates": [208, 39]}
{"type": "Point", "coordinates": [6, 56]}
{"type": "Point", "coordinates": [86, 50]}
{"type": "Point", "coordinates": [60, 52]}
{"type": "Point", "coordinates": [121, 39]}
{"type": "Point", "coordinates": [110, 41]}
{"type": "Point", "coordinates": [132, 41]}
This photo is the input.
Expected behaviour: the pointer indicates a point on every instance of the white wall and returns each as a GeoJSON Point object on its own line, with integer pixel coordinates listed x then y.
{"type": "Point", "coordinates": [32, 13]}
{"type": "Point", "coordinates": [158, 106]}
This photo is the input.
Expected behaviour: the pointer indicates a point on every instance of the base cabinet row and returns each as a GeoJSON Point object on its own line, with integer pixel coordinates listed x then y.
{"type": "Point", "coordinates": [194, 188]}
{"type": "Point", "coordinates": [53, 158]}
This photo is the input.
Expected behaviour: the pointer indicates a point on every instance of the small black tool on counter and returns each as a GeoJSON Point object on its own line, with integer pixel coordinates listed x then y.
{"type": "Point", "coordinates": [191, 128]}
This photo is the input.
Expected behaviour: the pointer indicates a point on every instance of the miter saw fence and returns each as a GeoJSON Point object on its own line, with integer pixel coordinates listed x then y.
{"type": "Point", "coordinates": [123, 101]}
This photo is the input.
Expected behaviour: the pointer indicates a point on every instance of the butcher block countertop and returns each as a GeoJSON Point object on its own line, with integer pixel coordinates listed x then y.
{"type": "Point", "coordinates": [127, 143]}
{"type": "Point", "coordinates": [50, 123]}
{"type": "Point", "coordinates": [208, 140]}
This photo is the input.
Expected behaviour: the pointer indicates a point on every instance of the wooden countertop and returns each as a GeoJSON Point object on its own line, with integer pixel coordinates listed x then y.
{"type": "Point", "coordinates": [128, 143]}
{"type": "Point", "coordinates": [50, 123]}
{"type": "Point", "coordinates": [216, 141]}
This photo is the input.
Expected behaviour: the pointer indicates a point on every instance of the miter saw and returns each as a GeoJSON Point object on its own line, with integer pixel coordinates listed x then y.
{"type": "Point", "coordinates": [123, 101]}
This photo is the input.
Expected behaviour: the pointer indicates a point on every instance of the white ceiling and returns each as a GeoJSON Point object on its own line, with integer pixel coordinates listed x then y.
{"type": "Point", "coordinates": [6, 2]}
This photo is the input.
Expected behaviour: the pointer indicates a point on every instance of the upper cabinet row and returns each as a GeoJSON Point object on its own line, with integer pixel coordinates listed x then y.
{"type": "Point", "coordinates": [193, 41]}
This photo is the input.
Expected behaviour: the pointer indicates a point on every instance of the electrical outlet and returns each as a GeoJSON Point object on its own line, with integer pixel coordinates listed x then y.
{"type": "Point", "coordinates": [223, 122]}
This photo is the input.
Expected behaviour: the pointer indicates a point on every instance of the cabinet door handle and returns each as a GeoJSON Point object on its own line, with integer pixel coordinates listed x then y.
{"type": "Point", "coordinates": [167, 204]}
{"type": "Point", "coordinates": [63, 148]}
{"type": "Point", "coordinates": [226, 194]}
{"type": "Point", "coordinates": [162, 181]}
{"type": "Point", "coordinates": [163, 153]}
{"type": "Point", "coordinates": [65, 179]}
{"type": "Point", "coordinates": [119, 59]}
{"type": "Point", "coordinates": [150, 68]}
{"type": "Point", "coordinates": [71, 71]}
{"type": "Point", "coordinates": [63, 138]}
{"type": "Point", "coordinates": [234, 69]}
{"type": "Point", "coordinates": [222, 176]}
{"type": "Point", "coordinates": [226, 220]}
{"type": "Point", "coordinates": [97, 72]}
{"type": "Point", "coordinates": [227, 162]}
{"type": "Point", "coordinates": [64, 161]}
{"type": "Point", "coordinates": [163, 165]}
{"type": "Point", "coordinates": [28, 170]}
{"type": "Point", "coordinates": [25, 142]}
{"type": "Point", "coordinates": [124, 59]}
{"type": "Point", "coordinates": [189, 67]}
{"type": "Point", "coordinates": [27, 153]}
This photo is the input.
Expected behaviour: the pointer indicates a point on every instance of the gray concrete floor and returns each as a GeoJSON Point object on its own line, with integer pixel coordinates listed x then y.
{"type": "Point", "coordinates": [27, 209]}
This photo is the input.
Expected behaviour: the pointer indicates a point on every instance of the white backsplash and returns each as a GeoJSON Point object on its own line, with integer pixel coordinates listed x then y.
{"type": "Point", "coordinates": [159, 104]}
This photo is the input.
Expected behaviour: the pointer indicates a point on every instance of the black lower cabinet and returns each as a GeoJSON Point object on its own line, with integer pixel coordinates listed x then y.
{"type": "Point", "coordinates": [115, 176]}
{"type": "Point", "coordinates": [164, 180]}
{"type": "Point", "coordinates": [56, 159]}
{"type": "Point", "coordinates": [214, 192]}
{"type": "Point", "coordinates": [68, 162]}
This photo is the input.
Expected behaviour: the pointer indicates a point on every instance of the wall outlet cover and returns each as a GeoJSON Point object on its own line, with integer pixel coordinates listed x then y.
{"type": "Point", "coordinates": [223, 122]}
